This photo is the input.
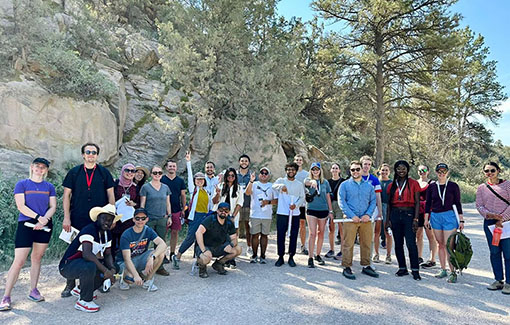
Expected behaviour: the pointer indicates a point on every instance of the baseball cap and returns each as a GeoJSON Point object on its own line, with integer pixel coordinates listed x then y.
{"type": "Point", "coordinates": [140, 211]}
{"type": "Point", "coordinates": [265, 168]}
{"type": "Point", "coordinates": [441, 166]}
{"type": "Point", "coordinates": [223, 205]}
{"type": "Point", "coordinates": [41, 161]}
{"type": "Point", "coordinates": [315, 164]}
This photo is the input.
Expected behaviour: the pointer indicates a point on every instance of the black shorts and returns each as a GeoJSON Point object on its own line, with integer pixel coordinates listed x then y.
{"type": "Point", "coordinates": [317, 214]}
{"type": "Point", "coordinates": [26, 236]}
{"type": "Point", "coordinates": [302, 213]}
{"type": "Point", "coordinates": [217, 251]}
{"type": "Point", "coordinates": [421, 220]}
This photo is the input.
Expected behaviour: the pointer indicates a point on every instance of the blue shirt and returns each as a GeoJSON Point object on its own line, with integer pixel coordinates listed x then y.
{"type": "Point", "coordinates": [319, 202]}
{"type": "Point", "coordinates": [131, 240]}
{"type": "Point", "coordinates": [356, 199]}
{"type": "Point", "coordinates": [243, 181]}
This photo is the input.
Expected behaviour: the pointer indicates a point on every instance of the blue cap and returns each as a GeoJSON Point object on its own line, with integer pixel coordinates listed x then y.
{"type": "Point", "coordinates": [315, 164]}
{"type": "Point", "coordinates": [223, 205]}
{"type": "Point", "coordinates": [140, 211]}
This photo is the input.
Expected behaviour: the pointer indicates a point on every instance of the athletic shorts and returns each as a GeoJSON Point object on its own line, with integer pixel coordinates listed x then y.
{"type": "Point", "coordinates": [140, 261]}
{"type": "Point", "coordinates": [443, 220]}
{"type": "Point", "coordinates": [26, 236]}
{"type": "Point", "coordinates": [217, 251]}
{"type": "Point", "coordinates": [302, 213]}
{"type": "Point", "coordinates": [260, 226]}
{"type": "Point", "coordinates": [317, 214]}
{"type": "Point", "coordinates": [244, 214]}
{"type": "Point", "coordinates": [176, 221]}
{"type": "Point", "coordinates": [421, 220]}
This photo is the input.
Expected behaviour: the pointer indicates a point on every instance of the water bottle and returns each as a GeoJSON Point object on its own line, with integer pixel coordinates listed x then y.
{"type": "Point", "coordinates": [496, 236]}
{"type": "Point", "coordinates": [194, 268]}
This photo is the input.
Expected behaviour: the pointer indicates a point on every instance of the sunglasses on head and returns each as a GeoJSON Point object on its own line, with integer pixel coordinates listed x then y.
{"type": "Point", "coordinates": [132, 171]}
{"type": "Point", "coordinates": [357, 169]}
{"type": "Point", "coordinates": [141, 218]}
{"type": "Point", "coordinates": [487, 171]}
{"type": "Point", "coordinates": [157, 173]}
{"type": "Point", "coordinates": [90, 152]}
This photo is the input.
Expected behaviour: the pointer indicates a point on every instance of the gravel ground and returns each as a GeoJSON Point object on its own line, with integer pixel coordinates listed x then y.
{"type": "Point", "coordinates": [255, 293]}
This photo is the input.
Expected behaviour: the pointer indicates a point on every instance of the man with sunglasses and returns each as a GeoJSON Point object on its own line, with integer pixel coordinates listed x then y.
{"type": "Point", "coordinates": [85, 186]}
{"type": "Point", "coordinates": [243, 178]}
{"type": "Point", "coordinates": [357, 200]}
{"type": "Point", "coordinates": [135, 258]}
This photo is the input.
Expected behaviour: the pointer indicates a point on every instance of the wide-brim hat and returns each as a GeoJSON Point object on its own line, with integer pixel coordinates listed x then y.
{"type": "Point", "coordinates": [108, 209]}
{"type": "Point", "coordinates": [145, 170]}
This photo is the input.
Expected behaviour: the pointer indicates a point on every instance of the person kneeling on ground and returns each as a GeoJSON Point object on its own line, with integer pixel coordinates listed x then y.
{"type": "Point", "coordinates": [216, 237]}
{"type": "Point", "coordinates": [136, 258]}
{"type": "Point", "coordinates": [89, 257]}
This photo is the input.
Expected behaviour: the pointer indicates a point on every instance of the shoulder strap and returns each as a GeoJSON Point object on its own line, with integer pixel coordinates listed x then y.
{"type": "Point", "coordinates": [495, 193]}
{"type": "Point", "coordinates": [141, 235]}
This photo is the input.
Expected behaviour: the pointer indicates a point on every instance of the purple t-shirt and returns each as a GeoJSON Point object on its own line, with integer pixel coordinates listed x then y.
{"type": "Point", "coordinates": [37, 196]}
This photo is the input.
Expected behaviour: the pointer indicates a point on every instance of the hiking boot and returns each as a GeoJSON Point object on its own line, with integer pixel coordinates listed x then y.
{"type": "Point", "coordinates": [219, 267]}
{"type": "Point", "coordinates": [416, 275]}
{"type": "Point", "coordinates": [506, 289]}
{"type": "Point", "coordinates": [291, 262]}
{"type": "Point", "coordinates": [338, 256]}
{"type": "Point", "coordinates": [166, 261]}
{"type": "Point", "coordinates": [175, 262]}
{"type": "Point", "coordinates": [86, 306]}
{"type": "Point", "coordinates": [402, 272]}
{"type": "Point", "coordinates": [330, 254]}
{"type": "Point", "coordinates": [67, 290]}
{"type": "Point", "coordinates": [452, 278]}
{"type": "Point", "coordinates": [5, 304]}
{"type": "Point", "coordinates": [368, 270]}
{"type": "Point", "coordinates": [304, 251]}
{"type": "Point", "coordinates": [202, 271]}
{"type": "Point", "coordinates": [388, 259]}
{"type": "Point", "coordinates": [162, 271]}
{"type": "Point", "coordinates": [376, 259]}
{"type": "Point", "coordinates": [428, 264]}
{"type": "Point", "coordinates": [347, 272]}
{"type": "Point", "coordinates": [310, 263]}
{"type": "Point", "coordinates": [496, 285]}
{"type": "Point", "coordinates": [279, 262]}
{"type": "Point", "coordinates": [253, 259]}
{"type": "Point", "coordinates": [442, 274]}
{"type": "Point", "coordinates": [35, 295]}
{"type": "Point", "coordinates": [319, 260]}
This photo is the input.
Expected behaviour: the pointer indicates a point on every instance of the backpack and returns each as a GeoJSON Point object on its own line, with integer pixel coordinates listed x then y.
{"type": "Point", "coordinates": [460, 250]}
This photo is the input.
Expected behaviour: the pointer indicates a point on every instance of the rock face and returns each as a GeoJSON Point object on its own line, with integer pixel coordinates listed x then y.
{"type": "Point", "coordinates": [37, 123]}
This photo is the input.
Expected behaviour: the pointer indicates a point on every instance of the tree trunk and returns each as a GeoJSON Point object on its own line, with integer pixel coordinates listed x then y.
{"type": "Point", "coordinates": [379, 109]}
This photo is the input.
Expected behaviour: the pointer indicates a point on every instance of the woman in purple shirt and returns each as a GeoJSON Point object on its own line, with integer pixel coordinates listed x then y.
{"type": "Point", "coordinates": [36, 201]}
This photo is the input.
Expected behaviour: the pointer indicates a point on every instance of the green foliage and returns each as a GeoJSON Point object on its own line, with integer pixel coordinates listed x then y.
{"type": "Point", "coordinates": [467, 191]}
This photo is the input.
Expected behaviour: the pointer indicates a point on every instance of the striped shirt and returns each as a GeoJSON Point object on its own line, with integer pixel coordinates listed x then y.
{"type": "Point", "coordinates": [487, 202]}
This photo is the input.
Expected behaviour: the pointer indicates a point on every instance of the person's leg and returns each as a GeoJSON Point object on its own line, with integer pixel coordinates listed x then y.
{"type": "Point", "coordinates": [505, 247]}
{"type": "Point", "coordinates": [397, 227]}
{"type": "Point", "coordinates": [446, 235]}
{"type": "Point", "coordinates": [331, 236]}
{"type": "Point", "coordinates": [495, 252]}
{"type": "Point", "coordinates": [157, 263]}
{"type": "Point", "coordinates": [302, 225]}
{"type": "Point", "coordinates": [174, 235]}
{"type": "Point", "coordinates": [232, 252]}
{"type": "Point", "coordinates": [410, 238]}
{"type": "Point", "coordinates": [419, 241]}
{"type": "Point", "coordinates": [282, 223]}
{"type": "Point", "coordinates": [294, 231]}
{"type": "Point", "coordinates": [432, 244]}
{"type": "Point", "coordinates": [312, 234]}
{"type": "Point", "coordinates": [350, 229]}
{"type": "Point", "coordinates": [377, 234]}
{"type": "Point", "coordinates": [255, 240]}
{"type": "Point", "coordinates": [205, 258]}
{"type": "Point", "coordinates": [320, 234]}
{"type": "Point", "coordinates": [248, 234]}
{"type": "Point", "coordinates": [86, 272]}
{"type": "Point", "coordinates": [20, 256]}
{"type": "Point", "coordinates": [389, 242]}
{"type": "Point", "coordinates": [365, 240]}
{"type": "Point", "coordinates": [439, 235]}
{"type": "Point", "coordinates": [263, 245]}
{"type": "Point", "coordinates": [159, 227]}
{"type": "Point", "coordinates": [190, 236]}
{"type": "Point", "coordinates": [35, 258]}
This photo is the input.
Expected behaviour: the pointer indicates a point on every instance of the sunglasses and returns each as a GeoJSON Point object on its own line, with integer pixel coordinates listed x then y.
{"type": "Point", "coordinates": [132, 171]}
{"type": "Point", "coordinates": [140, 218]}
{"type": "Point", "coordinates": [315, 169]}
{"type": "Point", "coordinates": [355, 169]}
{"type": "Point", "coordinates": [157, 173]}
{"type": "Point", "coordinates": [264, 173]}
{"type": "Point", "coordinates": [423, 170]}
{"type": "Point", "coordinates": [487, 171]}
{"type": "Point", "coordinates": [231, 175]}
{"type": "Point", "coordinates": [442, 171]}
{"type": "Point", "coordinates": [90, 152]}
{"type": "Point", "coordinates": [290, 169]}
{"type": "Point", "coordinates": [224, 210]}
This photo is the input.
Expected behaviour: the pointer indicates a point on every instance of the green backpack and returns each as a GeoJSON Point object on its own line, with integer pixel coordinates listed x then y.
{"type": "Point", "coordinates": [460, 250]}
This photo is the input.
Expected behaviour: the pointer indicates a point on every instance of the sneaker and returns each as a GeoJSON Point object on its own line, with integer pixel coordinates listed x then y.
{"type": "Point", "coordinates": [253, 259]}
{"type": "Point", "coordinates": [330, 254]}
{"type": "Point", "coordinates": [166, 261]}
{"type": "Point", "coordinates": [5, 304]}
{"type": "Point", "coordinates": [452, 278]}
{"type": "Point", "coordinates": [86, 306]}
{"type": "Point", "coordinates": [291, 262]}
{"type": "Point", "coordinates": [338, 256]}
{"type": "Point", "coordinates": [420, 260]}
{"type": "Point", "coordinates": [347, 272]}
{"type": "Point", "coordinates": [388, 259]}
{"type": "Point", "coordinates": [375, 259]}
{"type": "Point", "coordinates": [496, 285]}
{"type": "Point", "coordinates": [219, 267]}
{"type": "Point", "coordinates": [402, 272]}
{"type": "Point", "coordinates": [149, 285]}
{"type": "Point", "coordinates": [262, 260]}
{"type": "Point", "coordinates": [123, 285]}
{"type": "Point", "coordinates": [175, 262]}
{"type": "Point", "coordinates": [279, 262]}
{"type": "Point", "coordinates": [194, 268]}
{"type": "Point", "coordinates": [428, 264]}
{"type": "Point", "coordinates": [319, 260]}
{"type": "Point", "coordinates": [441, 274]}
{"type": "Point", "coordinates": [416, 275]}
{"type": "Point", "coordinates": [338, 242]}
{"type": "Point", "coordinates": [202, 271]}
{"type": "Point", "coordinates": [249, 251]}
{"type": "Point", "coordinates": [233, 264]}
{"type": "Point", "coordinates": [304, 251]}
{"type": "Point", "coordinates": [506, 289]}
{"type": "Point", "coordinates": [368, 270]}
{"type": "Point", "coordinates": [310, 263]}
{"type": "Point", "coordinates": [76, 293]}
{"type": "Point", "coordinates": [162, 271]}
{"type": "Point", "coordinates": [35, 295]}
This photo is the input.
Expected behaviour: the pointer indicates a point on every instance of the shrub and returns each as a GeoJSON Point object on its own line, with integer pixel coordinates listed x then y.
{"type": "Point", "coordinates": [467, 191]}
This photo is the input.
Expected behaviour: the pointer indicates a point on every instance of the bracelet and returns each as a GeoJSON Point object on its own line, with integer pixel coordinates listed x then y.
{"type": "Point", "coordinates": [37, 217]}
{"type": "Point", "coordinates": [462, 221]}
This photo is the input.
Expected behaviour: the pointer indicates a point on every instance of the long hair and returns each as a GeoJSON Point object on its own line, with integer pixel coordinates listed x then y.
{"type": "Point", "coordinates": [321, 175]}
{"type": "Point", "coordinates": [235, 185]}
{"type": "Point", "coordinates": [394, 182]}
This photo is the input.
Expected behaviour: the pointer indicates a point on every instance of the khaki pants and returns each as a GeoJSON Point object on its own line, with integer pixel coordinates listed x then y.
{"type": "Point", "coordinates": [366, 235]}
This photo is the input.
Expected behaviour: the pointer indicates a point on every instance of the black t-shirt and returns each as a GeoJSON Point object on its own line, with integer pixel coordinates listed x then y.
{"type": "Point", "coordinates": [216, 233]}
{"type": "Point", "coordinates": [100, 240]}
{"type": "Point", "coordinates": [335, 185]}
{"type": "Point", "coordinates": [176, 186]}
{"type": "Point", "coordinates": [83, 199]}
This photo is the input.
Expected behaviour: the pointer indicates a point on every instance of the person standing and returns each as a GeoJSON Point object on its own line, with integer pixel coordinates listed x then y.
{"type": "Point", "coordinates": [211, 180]}
{"type": "Point", "coordinates": [356, 198]}
{"type": "Point", "coordinates": [300, 176]}
{"type": "Point", "coordinates": [424, 182]}
{"type": "Point", "coordinates": [442, 197]}
{"type": "Point", "coordinates": [243, 178]}
{"type": "Point", "coordinates": [384, 173]}
{"type": "Point", "coordinates": [36, 201]}
{"type": "Point", "coordinates": [291, 195]}
{"type": "Point", "coordinates": [261, 212]}
{"type": "Point", "coordinates": [85, 186]}
{"type": "Point", "coordinates": [141, 176]}
{"type": "Point", "coordinates": [177, 200]}
{"type": "Point", "coordinates": [403, 209]}
{"type": "Point", "coordinates": [155, 199]}
{"type": "Point", "coordinates": [334, 182]}
{"type": "Point", "coordinates": [493, 204]}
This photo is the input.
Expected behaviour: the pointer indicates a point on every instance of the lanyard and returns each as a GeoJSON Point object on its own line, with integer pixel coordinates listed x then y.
{"type": "Point", "coordinates": [401, 189]}
{"type": "Point", "coordinates": [89, 180]}
{"type": "Point", "coordinates": [442, 197]}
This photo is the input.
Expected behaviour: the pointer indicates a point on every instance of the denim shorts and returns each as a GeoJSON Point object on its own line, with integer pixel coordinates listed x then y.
{"type": "Point", "coordinates": [443, 220]}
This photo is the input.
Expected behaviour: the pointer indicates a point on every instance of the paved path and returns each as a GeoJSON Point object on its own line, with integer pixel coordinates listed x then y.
{"type": "Point", "coordinates": [256, 294]}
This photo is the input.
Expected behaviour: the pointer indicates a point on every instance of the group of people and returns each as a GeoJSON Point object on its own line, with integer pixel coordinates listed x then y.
{"type": "Point", "coordinates": [363, 208]}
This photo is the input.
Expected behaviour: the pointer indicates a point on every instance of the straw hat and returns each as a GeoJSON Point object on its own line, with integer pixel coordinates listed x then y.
{"type": "Point", "coordinates": [108, 209]}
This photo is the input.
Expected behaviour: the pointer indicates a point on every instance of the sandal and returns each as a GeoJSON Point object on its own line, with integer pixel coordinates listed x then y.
{"type": "Point", "coordinates": [428, 264]}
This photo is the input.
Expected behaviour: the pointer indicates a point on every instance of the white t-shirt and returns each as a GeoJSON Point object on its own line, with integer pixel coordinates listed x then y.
{"type": "Point", "coordinates": [261, 192]}
{"type": "Point", "coordinates": [295, 195]}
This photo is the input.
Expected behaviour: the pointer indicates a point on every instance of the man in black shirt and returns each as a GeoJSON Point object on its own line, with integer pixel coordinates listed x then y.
{"type": "Point", "coordinates": [216, 237]}
{"type": "Point", "coordinates": [85, 186]}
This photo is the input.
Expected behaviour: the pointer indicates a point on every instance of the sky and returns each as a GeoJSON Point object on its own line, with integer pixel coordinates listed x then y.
{"type": "Point", "coordinates": [486, 17]}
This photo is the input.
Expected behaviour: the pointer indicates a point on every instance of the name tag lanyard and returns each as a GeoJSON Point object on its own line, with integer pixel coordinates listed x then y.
{"type": "Point", "coordinates": [442, 196]}
{"type": "Point", "coordinates": [401, 189]}
{"type": "Point", "coordinates": [89, 179]}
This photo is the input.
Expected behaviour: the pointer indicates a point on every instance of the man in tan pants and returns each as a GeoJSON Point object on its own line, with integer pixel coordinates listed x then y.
{"type": "Point", "coordinates": [357, 200]}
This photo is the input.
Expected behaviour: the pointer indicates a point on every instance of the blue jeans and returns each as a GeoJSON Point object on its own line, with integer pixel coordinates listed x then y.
{"type": "Point", "coordinates": [495, 253]}
{"type": "Point", "coordinates": [192, 229]}
{"type": "Point", "coordinates": [402, 227]}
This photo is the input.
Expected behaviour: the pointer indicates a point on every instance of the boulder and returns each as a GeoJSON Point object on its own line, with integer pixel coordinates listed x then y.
{"type": "Point", "coordinates": [141, 51]}
{"type": "Point", "coordinates": [37, 123]}
{"type": "Point", "coordinates": [14, 163]}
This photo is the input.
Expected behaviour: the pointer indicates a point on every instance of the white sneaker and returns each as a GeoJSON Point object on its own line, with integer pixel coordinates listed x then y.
{"type": "Point", "coordinates": [249, 251]}
{"type": "Point", "coordinates": [123, 285]}
{"type": "Point", "coordinates": [76, 293]}
{"type": "Point", "coordinates": [149, 285]}
{"type": "Point", "coordinates": [86, 306]}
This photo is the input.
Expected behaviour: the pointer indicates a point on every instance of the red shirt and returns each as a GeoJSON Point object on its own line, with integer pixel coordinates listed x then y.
{"type": "Point", "coordinates": [407, 198]}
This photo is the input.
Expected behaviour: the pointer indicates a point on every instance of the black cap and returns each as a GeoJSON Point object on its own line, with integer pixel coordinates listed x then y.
{"type": "Point", "coordinates": [139, 211]}
{"type": "Point", "coordinates": [441, 165]}
{"type": "Point", "coordinates": [41, 161]}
